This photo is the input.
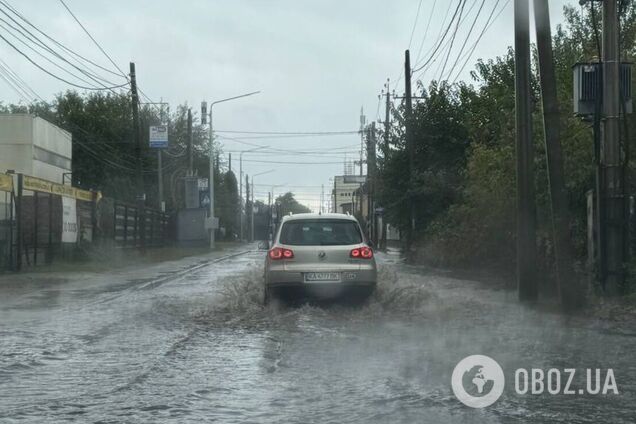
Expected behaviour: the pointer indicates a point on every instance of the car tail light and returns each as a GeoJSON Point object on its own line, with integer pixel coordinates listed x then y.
{"type": "Point", "coordinates": [362, 252]}
{"type": "Point", "coordinates": [281, 253]}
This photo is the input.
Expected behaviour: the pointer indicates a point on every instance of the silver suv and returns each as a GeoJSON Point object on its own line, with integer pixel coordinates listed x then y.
{"type": "Point", "coordinates": [319, 255]}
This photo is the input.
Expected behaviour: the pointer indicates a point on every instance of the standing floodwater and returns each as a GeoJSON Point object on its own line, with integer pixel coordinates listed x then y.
{"type": "Point", "coordinates": [160, 345]}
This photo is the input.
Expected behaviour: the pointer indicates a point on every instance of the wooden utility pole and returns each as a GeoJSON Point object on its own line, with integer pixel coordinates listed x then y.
{"type": "Point", "coordinates": [410, 146]}
{"type": "Point", "coordinates": [612, 228]}
{"type": "Point", "coordinates": [526, 208]}
{"type": "Point", "coordinates": [569, 290]}
{"type": "Point", "coordinates": [190, 155]}
{"type": "Point", "coordinates": [141, 195]}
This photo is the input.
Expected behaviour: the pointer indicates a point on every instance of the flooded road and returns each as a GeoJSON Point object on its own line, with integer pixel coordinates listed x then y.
{"type": "Point", "coordinates": [189, 341]}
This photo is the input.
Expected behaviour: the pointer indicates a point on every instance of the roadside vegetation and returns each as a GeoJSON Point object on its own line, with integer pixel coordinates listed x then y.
{"type": "Point", "coordinates": [465, 157]}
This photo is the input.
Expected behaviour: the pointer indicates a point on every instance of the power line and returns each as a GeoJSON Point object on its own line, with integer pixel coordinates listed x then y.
{"type": "Point", "coordinates": [20, 81]}
{"type": "Point", "coordinates": [489, 22]}
{"type": "Point", "coordinates": [3, 22]}
{"type": "Point", "coordinates": [461, 50]}
{"type": "Point", "coordinates": [29, 36]}
{"type": "Point", "coordinates": [445, 33]}
{"type": "Point", "coordinates": [450, 49]}
{"type": "Point", "coordinates": [428, 23]}
{"type": "Point", "coordinates": [67, 49]}
{"type": "Point", "coordinates": [52, 74]}
{"type": "Point", "coordinates": [93, 39]}
{"type": "Point", "coordinates": [417, 15]}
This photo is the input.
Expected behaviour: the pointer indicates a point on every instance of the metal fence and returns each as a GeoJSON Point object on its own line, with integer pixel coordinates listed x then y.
{"type": "Point", "coordinates": [129, 232]}
{"type": "Point", "coordinates": [41, 220]}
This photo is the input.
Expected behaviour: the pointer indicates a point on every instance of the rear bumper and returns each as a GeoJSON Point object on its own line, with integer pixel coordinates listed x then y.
{"type": "Point", "coordinates": [359, 290]}
{"type": "Point", "coordinates": [349, 278]}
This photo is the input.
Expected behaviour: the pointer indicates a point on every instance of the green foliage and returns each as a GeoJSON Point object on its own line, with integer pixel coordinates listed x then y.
{"type": "Point", "coordinates": [104, 155]}
{"type": "Point", "coordinates": [465, 180]}
{"type": "Point", "coordinates": [289, 204]}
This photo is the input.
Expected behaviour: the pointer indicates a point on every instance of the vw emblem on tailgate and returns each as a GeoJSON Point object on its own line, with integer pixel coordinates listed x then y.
{"type": "Point", "coordinates": [322, 255]}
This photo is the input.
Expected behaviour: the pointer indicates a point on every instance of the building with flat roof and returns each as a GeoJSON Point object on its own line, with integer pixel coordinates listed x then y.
{"type": "Point", "coordinates": [33, 146]}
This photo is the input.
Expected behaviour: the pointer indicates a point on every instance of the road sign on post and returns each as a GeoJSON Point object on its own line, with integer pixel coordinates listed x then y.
{"type": "Point", "coordinates": [158, 137]}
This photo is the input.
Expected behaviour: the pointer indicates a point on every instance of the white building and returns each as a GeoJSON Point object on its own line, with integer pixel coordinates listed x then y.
{"type": "Point", "coordinates": [343, 193]}
{"type": "Point", "coordinates": [33, 146]}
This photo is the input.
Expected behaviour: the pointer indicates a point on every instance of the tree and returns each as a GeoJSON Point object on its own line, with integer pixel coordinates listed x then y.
{"type": "Point", "coordinates": [287, 203]}
{"type": "Point", "coordinates": [227, 205]}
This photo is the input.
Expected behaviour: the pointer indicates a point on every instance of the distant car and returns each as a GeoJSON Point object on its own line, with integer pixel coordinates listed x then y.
{"type": "Point", "coordinates": [320, 255]}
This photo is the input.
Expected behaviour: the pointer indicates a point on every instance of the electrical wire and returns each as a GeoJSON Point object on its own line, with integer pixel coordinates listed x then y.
{"type": "Point", "coordinates": [54, 75]}
{"type": "Point", "coordinates": [439, 44]}
{"type": "Point", "coordinates": [489, 22]}
{"type": "Point", "coordinates": [67, 49]}
{"type": "Point", "coordinates": [93, 39]}
{"type": "Point", "coordinates": [461, 50]}
{"type": "Point", "coordinates": [417, 15]}
{"type": "Point", "coordinates": [31, 37]}
{"type": "Point", "coordinates": [3, 22]}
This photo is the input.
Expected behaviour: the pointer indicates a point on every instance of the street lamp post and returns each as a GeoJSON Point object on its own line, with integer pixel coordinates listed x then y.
{"type": "Point", "coordinates": [211, 154]}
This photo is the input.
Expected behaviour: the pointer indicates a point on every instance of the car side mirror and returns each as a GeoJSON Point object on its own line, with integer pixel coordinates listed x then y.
{"type": "Point", "coordinates": [263, 245]}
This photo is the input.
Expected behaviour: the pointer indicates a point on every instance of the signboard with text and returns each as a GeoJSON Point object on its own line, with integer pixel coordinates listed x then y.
{"type": "Point", "coordinates": [69, 220]}
{"type": "Point", "coordinates": [158, 137]}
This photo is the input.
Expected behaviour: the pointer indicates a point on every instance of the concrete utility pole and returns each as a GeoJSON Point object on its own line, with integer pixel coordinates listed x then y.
{"type": "Point", "coordinates": [613, 216]}
{"type": "Point", "coordinates": [526, 208]}
{"type": "Point", "coordinates": [410, 145]}
{"type": "Point", "coordinates": [190, 155]}
{"type": "Point", "coordinates": [141, 195]}
{"type": "Point", "coordinates": [247, 197]}
{"type": "Point", "coordinates": [211, 179]}
{"type": "Point", "coordinates": [363, 121]}
{"type": "Point", "coordinates": [569, 290]}
{"type": "Point", "coordinates": [371, 177]}
{"type": "Point", "coordinates": [387, 118]}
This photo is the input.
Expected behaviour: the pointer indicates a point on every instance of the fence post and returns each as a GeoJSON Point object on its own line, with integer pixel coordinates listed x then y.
{"type": "Point", "coordinates": [20, 238]}
{"type": "Point", "coordinates": [136, 227]}
{"type": "Point", "coordinates": [94, 217]}
{"type": "Point", "coordinates": [125, 223]}
{"type": "Point", "coordinates": [35, 228]}
{"type": "Point", "coordinates": [50, 249]}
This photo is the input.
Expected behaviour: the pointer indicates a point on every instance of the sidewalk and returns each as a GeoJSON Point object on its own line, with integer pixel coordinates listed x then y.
{"type": "Point", "coordinates": [119, 262]}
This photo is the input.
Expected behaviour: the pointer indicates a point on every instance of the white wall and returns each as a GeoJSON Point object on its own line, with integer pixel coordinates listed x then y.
{"type": "Point", "coordinates": [22, 134]}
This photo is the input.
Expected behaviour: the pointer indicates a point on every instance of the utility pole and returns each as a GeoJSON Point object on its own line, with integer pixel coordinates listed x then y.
{"type": "Point", "coordinates": [190, 156]}
{"type": "Point", "coordinates": [526, 208]}
{"type": "Point", "coordinates": [229, 161]}
{"type": "Point", "coordinates": [387, 118]}
{"type": "Point", "coordinates": [410, 147]}
{"type": "Point", "coordinates": [569, 291]}
{"type": "Point", "coordinates": [371, 176]}
{"type": "Point", "coordinates": [322, 196]}
{"type": "Point", "coordinates": [335, 194]}
{"type": "Point", "coordinates": [211, 179]}
{"type": "Point", "coordinates": [240, 206]}
{"type": "Point", "coordinates": [613, 215]}
{"type": "Point", "coordinates": [141, 195]}
{"type": "Point", "coordinates": [363, 121]}
{"type": "Point", "coordinates": [247, 198]}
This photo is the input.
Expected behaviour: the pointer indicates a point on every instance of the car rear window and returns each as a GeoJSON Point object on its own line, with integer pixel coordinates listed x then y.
{"type": "Point", "coordinates": [320, 232]}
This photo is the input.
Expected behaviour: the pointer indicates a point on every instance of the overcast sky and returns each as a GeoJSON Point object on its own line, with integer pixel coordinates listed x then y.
{"type": "Point", "coordinates": [315, 62]}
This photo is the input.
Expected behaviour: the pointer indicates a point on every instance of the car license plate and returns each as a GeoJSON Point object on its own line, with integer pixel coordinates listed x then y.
{"type": "Point", "coordinates": [312, 277]}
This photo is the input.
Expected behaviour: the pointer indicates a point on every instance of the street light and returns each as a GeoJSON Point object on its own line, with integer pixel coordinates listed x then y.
{"type": "Point", "coordinates": [211, 153]}
{"type": "Point", "coordinates": [252, 211]}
